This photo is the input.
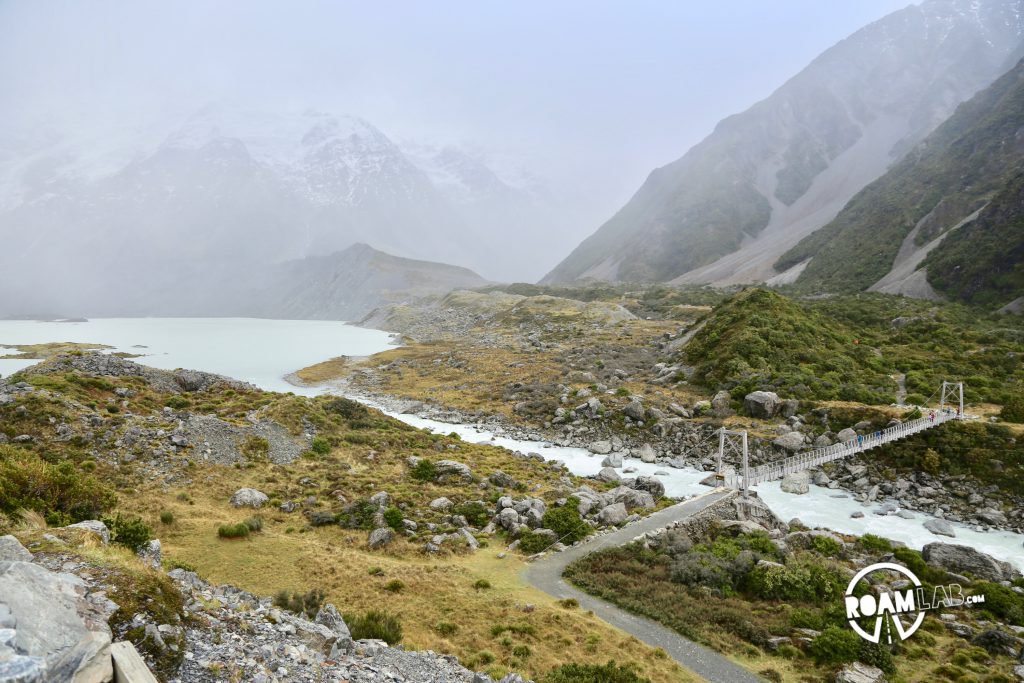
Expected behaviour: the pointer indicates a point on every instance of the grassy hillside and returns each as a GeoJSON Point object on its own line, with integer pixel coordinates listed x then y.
{"type": "Point", "coordinates": [955, 171]}
{"type": "Point", "coordinates": [851, 348]}
{"type": "Point", "coordinates": [983, 262]}
{"type": "Point", "coordinates": [76, 445]}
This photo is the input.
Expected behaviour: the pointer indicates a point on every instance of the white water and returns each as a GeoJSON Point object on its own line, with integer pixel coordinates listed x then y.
{"type": "Point", "coordinates": [250, 349]}
{"type": "Point", "coordinates": [264, 351]}
{"type": "Point", "coordinates": [824, 507]}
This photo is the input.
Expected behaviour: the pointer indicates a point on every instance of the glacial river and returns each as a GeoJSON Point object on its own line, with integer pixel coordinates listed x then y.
{"type": "Point", "coordinates": [264, 351]}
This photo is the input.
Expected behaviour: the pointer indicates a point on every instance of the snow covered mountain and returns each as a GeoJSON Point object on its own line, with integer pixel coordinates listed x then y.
{"type": "Point", "coordinates": [232, 190]}
{"type": "Point", "coordinates": [777, 172]}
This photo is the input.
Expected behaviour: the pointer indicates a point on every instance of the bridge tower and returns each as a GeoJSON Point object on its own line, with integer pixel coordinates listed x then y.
{"type": "Point", "coordinates": [735, 442]}
{"type": "Point", "coordinates": [954, 393]}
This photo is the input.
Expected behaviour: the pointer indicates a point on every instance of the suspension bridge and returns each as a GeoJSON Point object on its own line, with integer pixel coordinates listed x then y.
{"type": "Point", "coordinates": [951, 407]}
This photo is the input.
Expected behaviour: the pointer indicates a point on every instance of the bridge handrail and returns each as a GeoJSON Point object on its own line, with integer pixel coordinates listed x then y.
{"type": "Point", "coordinates": [820, 456]}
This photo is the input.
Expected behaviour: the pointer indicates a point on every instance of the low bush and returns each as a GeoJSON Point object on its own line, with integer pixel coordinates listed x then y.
{"type": "Point", "coordinates": [835, 646]}
{"type": "Point", "coordinates": [481, 584]}
{"type": "Point", "coordinates": [531, 543]}
{"type": "Point", "coordinates": [566, 522]}
{"type": "Point", "coordinates": [320, 445]}
{"type": "Point", "coordinates": [358, 515]}
{"type": "Point", "coordinates": [301, 603]}
{"type": "Point", "coordinates": [393, 518]}
{"type": "Point", "coordinates": [446, 628]}
{"type": "Point", "coordinates": [475, 512]}
{"type": "Point", "coordinates": [167, 517]}
{"type": "Point", "coordinates": [593, 673]}
{"type": "Point", "coordinates": [131, 532]}
{"type": "Point", "coordinates": [424, 470]}
{"type": "Point", "coordinates": [255, 523]}
{"type": "Point", "coordinates": [1001, 602]}
{"type": "Point", "coordinates": [375, 625]}
{"type": "Point", "coordinates": [27, 482]}
{"type": "Point", "coordinates": [240, 530]}
{"type": "Point", "coordinates": [394, 586]}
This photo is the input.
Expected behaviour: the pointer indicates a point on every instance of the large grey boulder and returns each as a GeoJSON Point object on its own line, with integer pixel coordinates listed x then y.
{"type": "Point", "coordinates": [940, 527]}
{"type": "Point", "coordinates": [94, 526]}
{"type": "Point", "coordinates": [330, 618]}
{"type": "Point", "coordinates": [962, 559]}
{"type": "Point", "coordinates": [860, 673]}
{"type": "Point", "coordinates": [11, 550]}
{"type": "Point", "coordinates": [762, 404]}
{"type": "Point", "coordinates": [608, 474]}
{"type": "Point", "coordinates": [250, 498]}
{"type": "Point", "coordinates": [631, 498]}
{"type": "Point", "coordinates": [647, 453]}
{"type": "Point", "coordinates": [601, 447]}
{"type": "Point", "coordinates": [796, 482]}
{"type": "Point", "coordinates": [381, 537]}
{"type": "Point", "coordinates": [151, 553]}
{"type": "Point", "coordinates": [634, 410]}
{"type": "Point", "coordinates": [441, 504]}
{"type": "Point", "coordinates": [650, 484]}
{"type": "Point", "coordinates": [613, 515]}
{"type": "Point", "coordinates": [453, 469]}
{"type": "Point", "coordinates": [790, 441]}
{"type": "Point", "coordinates": [54, 626]}
{"type": "Point", "coordinates": [612, 460]}
{"type": "Point", "coordinates": [847, 434]}
{"type": "Point", "coordinates": [720, 404]}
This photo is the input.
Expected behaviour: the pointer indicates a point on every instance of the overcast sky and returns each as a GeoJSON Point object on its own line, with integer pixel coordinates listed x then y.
{"type": "Point", "coordinates": [590, 93]}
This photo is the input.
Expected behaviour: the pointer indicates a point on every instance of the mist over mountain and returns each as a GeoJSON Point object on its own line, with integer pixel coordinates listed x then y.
{"type": "Point", "coordinates": [233, 190]}
{"type": "Point", "coordinates": [768, 177]}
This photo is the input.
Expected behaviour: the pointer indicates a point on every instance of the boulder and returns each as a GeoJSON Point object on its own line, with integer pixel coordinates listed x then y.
{"type": "Point", "coordinates": [453, 469]}
{"type": "Point", "coordinates": [790, 441]}
{"type": "Point", "coordinates": [330, 618]}
{"type": "Point", "coordinates": [381, 499]}
{"type": "Point", "coordinates": [11, 550]}
{"type": "Point", "coordinates": [250, 498]}
{"type": "Point", "coordinates": [441, 504]}
{"type": "Point", "coordinates": [608, 474]}
{"type": "Point", "coordinates": [860, 673]}
{"type": "Point", "coordinates": [822, 441]}
{"type": "Point", "coordinates": [762, 404]}
{"type": "Point", "coordinates": [647, 453]}
{"type": "Point", "coordinates": [821, 479]}
{"type": "Point", "coordinates": [55, 628]}
{"type": "Point", "coordinates": [631, 498]}
{"type": "Point", "coordinates": [998, 642]}
{"type": "Point", "coordinates": [720, 404]}
{"type": "Point", "coordinates": [150, 553]}
{"type": "Point", "coordinates": [846, 435]}
{"type": "Point", "coordinates": [601, 447]}
{"type": "Point", "coordinates": [613, 515]}
{"type": "Point", "coordinates": [381, 537]}
{"type": "Point", "coordinates": [508, 519]}
{"type": "Point", "coordinates": [789, 407]}
{"type": "Point", "coordinates": [940, 527]}
{"type": "Point", "coordinates": [962, 559]}
{"type": "Point", "coordinates": [651, 485]}
{"type": "Point", "coordinates": [634, 410]}
{"type": "Point", "coordinates": [796, 482]}
{"type": "Point", "coordinates": [94, 526]}
{"type": "Point", "coordinates": [499, 478]}
{"type": "Point", "coordinates": [612, 460]}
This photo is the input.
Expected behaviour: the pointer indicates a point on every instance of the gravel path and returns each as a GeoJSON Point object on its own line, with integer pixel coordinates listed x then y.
{"type": "Point", "coordinates": [546, 574]}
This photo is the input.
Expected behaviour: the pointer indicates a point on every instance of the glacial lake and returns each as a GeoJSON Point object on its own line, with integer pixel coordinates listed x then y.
{"type": "Point", "coordinates": [251, 349]}
{"type": "Point", "coordinates": [264, 351]}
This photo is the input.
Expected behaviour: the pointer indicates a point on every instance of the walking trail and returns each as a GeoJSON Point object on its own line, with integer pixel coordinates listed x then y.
{"type": "Point", "coordinates": [546, 575]}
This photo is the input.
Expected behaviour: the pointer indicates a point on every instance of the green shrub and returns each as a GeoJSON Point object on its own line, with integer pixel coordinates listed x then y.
{"type": "Point", "coordinates": [131, 532]}
{"type": "Point", "coordinates": [240, 530]}
{"type": "Point", "coordinates": [347, 408]}
{"type": "Point", "coordinates": [566, 522]}
{"type": "Point", "coordinates": [27, 482]}
{"type": "Point", "coordinates": [569, 603]}
{"type": "Point", "coordinates": [301, 603]}
{"type": "Point", "coordinates": [593, 673]}
{"type": "Point", "coordinates": [393, 518]}
{"type": "Point", "coordinates": [1013, 409]}
{"type": "Point", "coordinates": [446, 628]}
{"type": "Point", "coordinates": [394, 586]}
{"type": "Point", "coordinates": [167, 517]}
{"type": "Point", "coordinates": [1001, 602]}
{"type": "Point", "coordinates": [177, 402]}
{"type": "Point", "coordinates": [375, 625]}
{"type": "Point", "coordinates": [481, 584]}
{"type": "Point", "coordinates": [803, 579]}
{"type": "Point", "coordinates": [835, 646]}
{"type": "Point", "coordinates": [358, 515]}
{"type": "Point", "coordinates": [320, 445]}
{"type": "Point", "coordinates": [531, 543]}
{"type": "Point", "coordinates": [475, 512]}
{"type": "Point", "coordinates": [521, 651]}
{"type": "Point", "coordinates": [255, 523]}
{"type": "Point", "coordinates": [376, 571]}
{"type": "Point", "coordinates": [322, 518]}
{"type": "Point", "coordinates": [824, 545]}
{"type": "Point", "coordinates": [424, 470]}
{"type": "Point", "coordinates": [875, 544]}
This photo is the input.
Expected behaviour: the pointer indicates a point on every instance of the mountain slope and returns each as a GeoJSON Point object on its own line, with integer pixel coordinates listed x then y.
{"type": "Point", "coordinates": [773, 174]}
{"type": "Point", "coordinates": [349, 284]}
{"type": "Point", "coordinates": [961, 184]}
